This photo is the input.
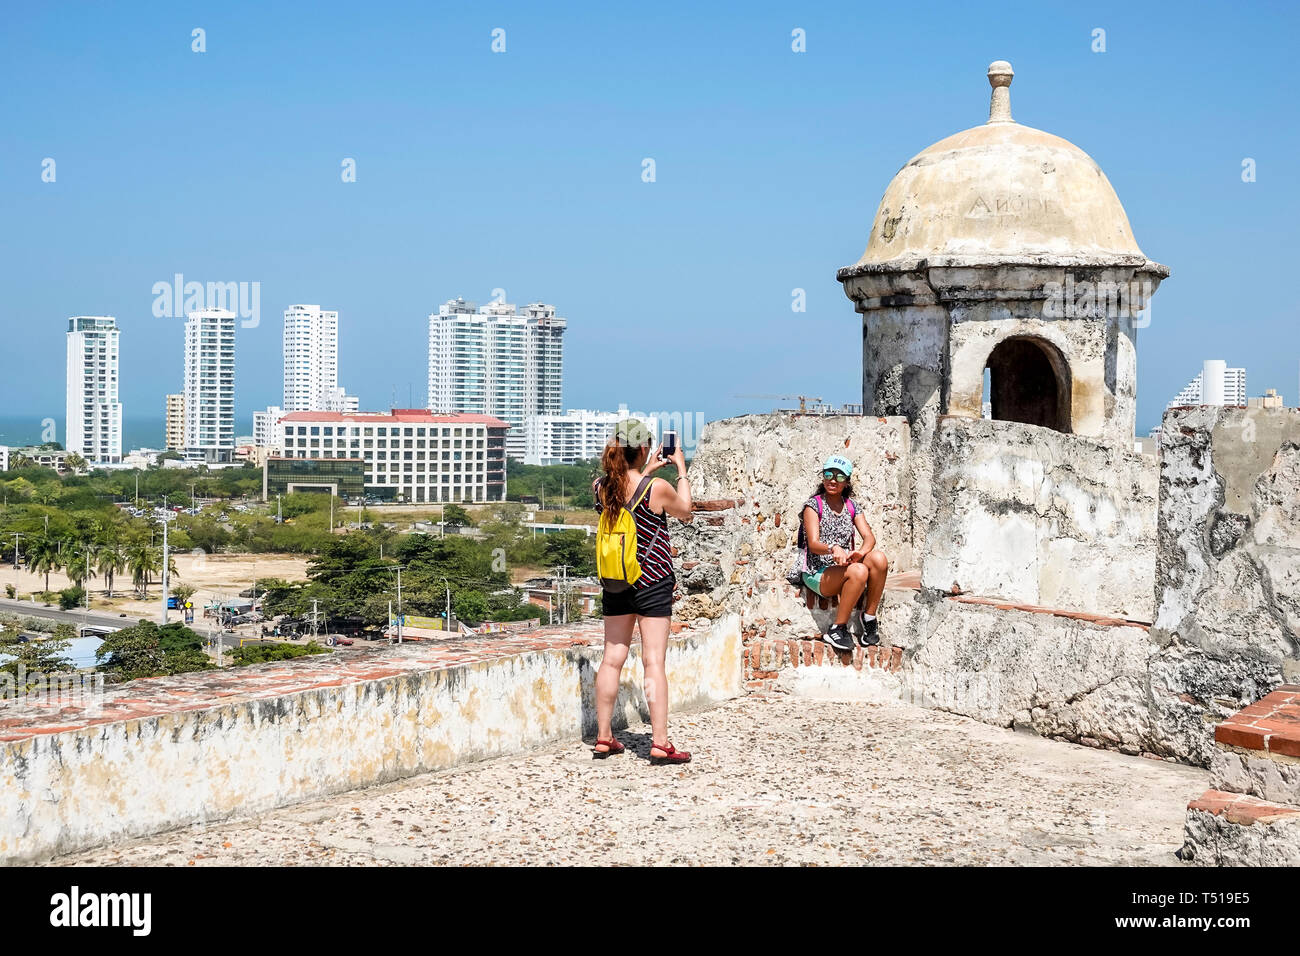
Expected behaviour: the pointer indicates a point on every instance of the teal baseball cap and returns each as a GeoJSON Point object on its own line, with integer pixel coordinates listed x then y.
{"type": "Point", "coordinates": [839, 463]}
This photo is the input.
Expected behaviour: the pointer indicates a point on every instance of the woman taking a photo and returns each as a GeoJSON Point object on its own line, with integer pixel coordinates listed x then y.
{"type": "Point", "coordinates": [628, 482]}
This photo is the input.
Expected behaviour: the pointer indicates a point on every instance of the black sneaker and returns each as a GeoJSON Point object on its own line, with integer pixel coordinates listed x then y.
{"type": "Point", "coordinates": [870, 635]}
{"type": "Point", "coordinates": [838, 637]}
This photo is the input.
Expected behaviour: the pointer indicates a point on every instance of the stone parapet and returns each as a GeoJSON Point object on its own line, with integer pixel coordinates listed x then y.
{"type": "Point", "coordinates": [196, 749]}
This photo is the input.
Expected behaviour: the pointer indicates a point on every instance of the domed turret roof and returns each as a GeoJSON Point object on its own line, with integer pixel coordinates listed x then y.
{"type": "Point", "coordinates": [999, 193]}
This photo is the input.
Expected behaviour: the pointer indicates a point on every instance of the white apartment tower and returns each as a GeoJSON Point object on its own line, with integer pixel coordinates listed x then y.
{"type": "Point", "coordinates": [1216, 384]}
{"type": "Point", "coordinates": [210, 385]}
{"type": "Point", "coordinates": [311, 361]}
{"type": "Point", "coordinates": [93, 427]}
{"type": "Point", "coordinates": [496, 360]}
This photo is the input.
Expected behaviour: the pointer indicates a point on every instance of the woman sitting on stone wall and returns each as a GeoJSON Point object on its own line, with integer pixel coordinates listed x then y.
{"type": "Point", "coordinates": [832, 567]}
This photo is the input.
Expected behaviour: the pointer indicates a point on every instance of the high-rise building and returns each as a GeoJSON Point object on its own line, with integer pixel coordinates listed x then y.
{"type": "Point", "coordinates": [311, 361]}
{"type": "Point", "coordinates": [1216, 384]}
{"type": "Point", "coordinates": [175, 422]}
{"type": "Point", "coordinates": [497, 360]}
{"type": "Point", "coordinates": [210, 386]}
{"type": "Point", "coordinates": [93, 427]}
{"type": "Point", "coordinates": [577, 435]}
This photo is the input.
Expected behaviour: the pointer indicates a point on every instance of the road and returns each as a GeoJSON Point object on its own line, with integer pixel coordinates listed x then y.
{"type": "Point", "coordinates": [114, 619]}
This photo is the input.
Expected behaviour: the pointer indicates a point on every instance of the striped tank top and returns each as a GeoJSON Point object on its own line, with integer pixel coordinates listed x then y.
{"type": "Point", "coordinates": [653, 551]}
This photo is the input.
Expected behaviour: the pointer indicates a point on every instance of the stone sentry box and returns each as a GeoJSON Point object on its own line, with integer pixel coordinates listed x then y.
{"type": "Point", "coordinates": [1002, 248]}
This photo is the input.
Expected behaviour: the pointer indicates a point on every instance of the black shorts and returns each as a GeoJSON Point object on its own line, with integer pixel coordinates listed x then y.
{"type": "Point", "coordinates": [653, 601]}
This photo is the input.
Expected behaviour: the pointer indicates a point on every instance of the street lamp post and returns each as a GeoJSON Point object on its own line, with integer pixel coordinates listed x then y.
{"type": "Point", "coordinates": [165, 561]}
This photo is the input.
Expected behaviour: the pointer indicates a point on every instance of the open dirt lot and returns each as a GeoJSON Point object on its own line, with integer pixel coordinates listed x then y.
{"type": "Point", "coordinates": [214, 575]}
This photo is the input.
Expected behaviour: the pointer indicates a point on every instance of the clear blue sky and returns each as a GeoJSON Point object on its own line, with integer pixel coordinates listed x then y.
{"type": "Point", "coordinates": [522, 170]}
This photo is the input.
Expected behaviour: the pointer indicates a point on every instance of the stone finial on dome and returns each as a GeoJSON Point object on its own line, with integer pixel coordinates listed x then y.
{"type": "Point", "coordinates": [1000, 74]}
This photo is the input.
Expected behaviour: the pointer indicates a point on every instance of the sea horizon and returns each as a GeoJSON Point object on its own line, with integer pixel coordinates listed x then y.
{"type": "Point", "coordinates": [143, 431]}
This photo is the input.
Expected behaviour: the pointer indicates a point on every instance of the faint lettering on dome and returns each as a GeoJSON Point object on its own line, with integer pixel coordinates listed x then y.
{"type": "Point", "coordinates": [891, 228]}
{"type": "Point", "coordinates": [1011, 206]}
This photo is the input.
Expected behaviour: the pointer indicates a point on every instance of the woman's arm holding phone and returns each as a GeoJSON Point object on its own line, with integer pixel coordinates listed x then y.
{"type": "Point", "coordinates": [665, 496]}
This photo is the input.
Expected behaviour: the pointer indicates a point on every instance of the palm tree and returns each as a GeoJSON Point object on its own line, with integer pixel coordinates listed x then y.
{"type": "Point", "coordinates": [111, 560]}
{"type": "Point", "coordinates": [74, 463]}
{"type": "Point", "coordinates": [43, 556]}
{"type": "Point", "coordinates": [142, 560]}
{"type": "Point", "coordinates": [80, 563]}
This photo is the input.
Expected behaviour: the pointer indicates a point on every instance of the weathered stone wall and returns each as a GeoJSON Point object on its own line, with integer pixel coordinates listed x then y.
{"type": "Point", "coordinates": [208, 747]}
{"type": "Point", "coordinates": [1228, 568]}
{"type": "Point", "coordinates": [750, 477]}
{"type": "Point", "coordinates": [1039, 517]}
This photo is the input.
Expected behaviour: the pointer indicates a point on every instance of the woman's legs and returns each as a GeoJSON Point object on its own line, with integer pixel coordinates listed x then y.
{"type": "Point", "coordinates": [849, 581]}
{"type": "Point", "coordinates": [654, 649]}
{"type": "Point", "coordinates": [862, 580]}
{"type": "Point", "coordinates": [877, 570]}
{"type": "Point", "coordinates": [618, 637]}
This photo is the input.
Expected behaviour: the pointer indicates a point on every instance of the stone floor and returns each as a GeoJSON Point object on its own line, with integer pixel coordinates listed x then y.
{"type": "Point", "coordinates": [774, 781]}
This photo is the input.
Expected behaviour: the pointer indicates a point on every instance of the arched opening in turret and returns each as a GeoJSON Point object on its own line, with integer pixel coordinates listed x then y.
{"type": "Point", "coordinates": [1029, 382]}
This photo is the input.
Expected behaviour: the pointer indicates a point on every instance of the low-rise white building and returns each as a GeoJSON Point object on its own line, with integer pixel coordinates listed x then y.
{"type": "Point", "coordinates": [576, 435]}
{"type": "Point", "coordinates": [266, 427]}
{"type": "Point", "coordinates": [408, 454]}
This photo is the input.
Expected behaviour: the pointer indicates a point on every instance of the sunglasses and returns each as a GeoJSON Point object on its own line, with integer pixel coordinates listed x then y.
{"type": "Point", "coordinates": [831, 475]}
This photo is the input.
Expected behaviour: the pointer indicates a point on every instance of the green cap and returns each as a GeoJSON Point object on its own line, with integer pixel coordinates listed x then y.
{"type": "Point", "coordinates": [631, 433]}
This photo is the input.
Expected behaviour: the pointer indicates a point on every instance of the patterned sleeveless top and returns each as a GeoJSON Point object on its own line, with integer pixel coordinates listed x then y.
{"type": "Point", "coordinates": [835, 528]}
{"type": "Point", "coordinates": [653, 551]}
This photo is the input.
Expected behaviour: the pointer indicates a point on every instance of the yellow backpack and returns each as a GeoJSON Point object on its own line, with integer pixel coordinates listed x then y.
{"type": "Point", "coordinates": [616, 562]}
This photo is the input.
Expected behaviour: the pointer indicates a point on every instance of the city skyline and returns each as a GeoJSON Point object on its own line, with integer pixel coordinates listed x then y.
{"type": "Point", "coordinates": [756, 178]}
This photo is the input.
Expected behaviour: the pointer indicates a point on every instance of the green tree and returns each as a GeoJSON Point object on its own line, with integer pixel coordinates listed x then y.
{"type": "Point", "coordinates": [148, 650]}
{"type": "Point", "coordinates": [131, 652]}
{"type": "Point", "coordinates": [259, 653]}
{"type": "Point", "coordinates": [35, 658]}
{"type": "Point", "coordinates": [79, 563]}
{"type": "Point", "coordinates": [110, 560]}
{"type": "Point", "coordinates": [43, 556]}
{"type": "Point", "coordinates": [455, 516]}
{"type": "Point", "coordinates": [574, 548]}
{"type": "Point", "coordinates": [470, 607]}
{"type": "Point", "coordinates": [75, 463]}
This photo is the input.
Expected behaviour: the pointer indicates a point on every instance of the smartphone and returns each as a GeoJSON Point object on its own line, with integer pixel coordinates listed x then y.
{"type": "Point", "coordinates": [670, 444]}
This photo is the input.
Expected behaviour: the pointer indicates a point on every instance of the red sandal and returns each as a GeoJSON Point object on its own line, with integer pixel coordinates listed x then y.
{"type": "Point", "coordinates": [614, 748]}
{"type": "Point", "coordinates": [671, 754]}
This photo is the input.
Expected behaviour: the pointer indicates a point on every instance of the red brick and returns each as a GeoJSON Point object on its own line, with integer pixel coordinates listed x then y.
{"type": "Point", "coordinates": [713, 521]}
{"type": "Point", "coordinates": [1286, 744]}
{"type": "Point", "coordinates": [895, 658]}
{"type": "Point", "coordinates": [716, 504]}
{"type": "Point", "coordinates": [857, 658]}
{"type": "Point", "coordinates": [1234, 734]}
{"type": "Point", "coordinates": [819, 650]}
{"type": "Point", "coordinates": [793, 647]}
